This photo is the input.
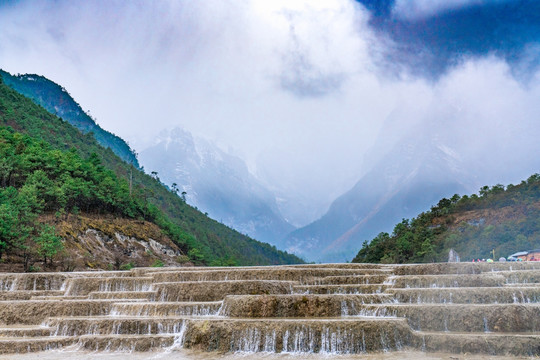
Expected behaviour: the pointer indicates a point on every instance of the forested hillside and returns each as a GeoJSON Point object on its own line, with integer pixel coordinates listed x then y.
{"type": "Point", "coordinates": [500, 220]}
{"type": "Point", "coordinates": [48, 166]}
{"type": "Point", "coordinates": [35, 179]}
{"type": "Point", "coordinates": [55, 99]}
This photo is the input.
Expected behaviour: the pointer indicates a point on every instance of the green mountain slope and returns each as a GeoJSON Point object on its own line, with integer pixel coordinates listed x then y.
{"type": "Point", "coordinates": [57, 100]}
{"type": "Point", "coordinates": [36, 179]}
{"type": "Point", "coordinates": [497, 222]}
{"type": "Point", "coordinates": [205, 240]}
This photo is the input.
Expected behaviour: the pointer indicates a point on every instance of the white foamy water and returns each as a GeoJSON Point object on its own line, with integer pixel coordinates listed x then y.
{"type": "Point", "coordinates": [191, 355]}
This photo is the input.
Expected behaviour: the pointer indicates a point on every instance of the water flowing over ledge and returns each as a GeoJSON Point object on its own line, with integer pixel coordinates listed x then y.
{"type": "Point", "coordinates": [344, 310]}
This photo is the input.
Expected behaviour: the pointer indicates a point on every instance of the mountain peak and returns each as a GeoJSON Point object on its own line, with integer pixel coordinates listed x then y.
{"type": "Point", "coordinates": [56, 99]}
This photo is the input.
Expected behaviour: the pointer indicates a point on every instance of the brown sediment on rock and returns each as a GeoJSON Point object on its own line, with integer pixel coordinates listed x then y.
{"type": "Point", "coordinates": [32, 281]}
{"type": "Point", "coordinates": [280, 274]}
{"type": "Point", "coordinates": [463, 268]}
{"type": "Point", "coordinates": [28, 294]}
{"type": "Point", "coordinates": [164, 309]}
{"type": "Point", "coordinates": [299, 306]}
{"type": "Point", "coordinates": [342, 266]}
{"type": "Point", "coordinates": [435, 281]}
{"type": "Point", "coordinates": [468, 295]}
{"type": "Point", "coordinates": [521, 276]}
{"type": "Point", "coordinates": [84, 286]}
{"type": "Point", "coordinates": [123, 295]}
{"type": "Point", "coordinates": [24, 345]}
{"type": "Point", "coordinates": [348, 280]}
{"type": "Point", "coordinates": [78, 326]}
{"type": "Point", "coordinates": [492, 344]}
{"type": "Point", "coordinates": [57, 297]}
{"type": "Point", "coordinates": [217, 290]}
{"type": "Point", "coordinates": [150, 271]}
{"type": "Point", "coordinates": [462, 317]}
{"type": "Point", "coordinates": [100, 274]}
{"type": "Point", "coordinates": [125, 343]}
{"type": "Point", "coordinates": [289, 335]}
{"type": "Point", "coordinates": [37, 311]}
{"type": "Point", "coordinates": [22, 331]}
{"type": "Point", "coordinates": [340, 289]}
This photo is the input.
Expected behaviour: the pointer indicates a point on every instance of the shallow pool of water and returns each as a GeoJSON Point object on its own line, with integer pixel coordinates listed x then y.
{"type": "Point", "coordinates": [191, 355]}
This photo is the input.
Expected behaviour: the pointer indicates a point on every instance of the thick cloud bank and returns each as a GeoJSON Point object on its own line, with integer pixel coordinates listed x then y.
{"type": "Point", "coordinates": [301, 90]}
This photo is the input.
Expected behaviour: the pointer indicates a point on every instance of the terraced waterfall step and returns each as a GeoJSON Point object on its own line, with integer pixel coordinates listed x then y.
{"type": "Point", "coordinates": [486, 343]}
{"type": "Point", "coordinates": [28, 294]}
{"type": "Point", "coordinates": [163, 309]}
{"type": "Point", "coordinates": [340, 335]}
{"type": "Point", "coordinates": [120, 343]}
{"type": "Point", "coordinates": [340, 289]}
{"type": "Point", "coordinates": [217, 290]}
{"type": "Point", "coordinates": [468, 295]}
{"type": "Point", "coordinates": [37, 311]}
{"type": "Point", "coordinates": [304, 276]}
{"type": "Point", "coordinates": [25, 331]}
{"type": "Point", "coordinates": [480, 308]}
{"type": "Point", "coordinates": [120, 295]}
{"type": "Point", "coordinates": [298, 306]}
{"type": "Point", "coordinates": [461, 317]}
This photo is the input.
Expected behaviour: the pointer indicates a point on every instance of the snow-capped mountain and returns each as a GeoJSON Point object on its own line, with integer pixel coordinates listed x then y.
{"type": "Point", "coordinates": [217, 183]}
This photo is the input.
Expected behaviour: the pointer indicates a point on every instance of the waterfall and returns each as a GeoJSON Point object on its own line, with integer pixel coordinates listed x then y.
{"type": "Point", "coordinates": [311, 309]}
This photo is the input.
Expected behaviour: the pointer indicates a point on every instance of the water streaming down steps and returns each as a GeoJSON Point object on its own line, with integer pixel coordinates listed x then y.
{"type": "Point", "coordinates": [328, 309]}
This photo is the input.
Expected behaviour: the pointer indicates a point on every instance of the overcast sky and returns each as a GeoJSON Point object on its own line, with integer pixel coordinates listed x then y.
{"type": "Point", "coordinates": [299, 89]}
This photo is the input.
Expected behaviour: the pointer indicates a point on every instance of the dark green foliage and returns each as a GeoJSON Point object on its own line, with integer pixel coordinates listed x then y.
{"type": "Point", "coordinates": [158, 263]}
{"type": "Point", "coordinates": [127, 266]}
{"type": "Point", "coordinates": [52, 180]}
{"type": "Point", "coordinates": [431, 235]}
{"type": "Point", "coordinates": [58, 101]}
{"type": "Point", "coordinates": [65, 171]}
{"type": "Point", "coordinates": [36, 178]}
{"type": "Point", "coordinates": [48, 244]}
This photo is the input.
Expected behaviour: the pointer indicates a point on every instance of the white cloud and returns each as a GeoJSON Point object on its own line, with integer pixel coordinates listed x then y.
{"type": "Point", "coordinates": [292, 86]}
{"type": "Point", "coordinates": [413, 9]}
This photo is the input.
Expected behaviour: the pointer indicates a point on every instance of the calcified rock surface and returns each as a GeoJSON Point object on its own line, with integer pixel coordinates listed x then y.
{"type": "Point", "coordinates": [485, 309]}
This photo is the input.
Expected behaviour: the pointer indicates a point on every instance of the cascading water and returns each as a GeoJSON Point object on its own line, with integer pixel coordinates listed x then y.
{"type": "Point", "coordinates": [321, 309]}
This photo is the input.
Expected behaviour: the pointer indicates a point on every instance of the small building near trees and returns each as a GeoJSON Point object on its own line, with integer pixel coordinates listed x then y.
{"type": "Point", "coordinates": [532, 255]}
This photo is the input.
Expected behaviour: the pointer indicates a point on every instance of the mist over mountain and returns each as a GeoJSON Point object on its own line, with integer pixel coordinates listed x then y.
{"type": "Point", "coordinates": [348, 114]}
{"type": "Point", "coordinates": [412, 166]}
{"type": "Point", "coordinates": [395, 187]}
{"type": "Point", "coordinates": [217, 183]}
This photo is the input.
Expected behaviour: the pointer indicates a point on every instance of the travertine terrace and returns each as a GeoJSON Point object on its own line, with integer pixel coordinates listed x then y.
{"type": "Point", "coordinates": [482, 308]}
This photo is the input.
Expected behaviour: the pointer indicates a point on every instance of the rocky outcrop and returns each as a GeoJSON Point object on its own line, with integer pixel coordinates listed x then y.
{"type": "Point", "coordinates": [111, 243]}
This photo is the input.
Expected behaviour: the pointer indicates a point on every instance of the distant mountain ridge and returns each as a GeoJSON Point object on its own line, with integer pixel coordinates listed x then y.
{"type": "Point", "coordinates": [217, 183]}
{"type": "Point", "coordinates": [55, 99]}
{"type": "Point", "coordinates": [496, 222]}
{"type": "Point", "coordinates": [394, 188]}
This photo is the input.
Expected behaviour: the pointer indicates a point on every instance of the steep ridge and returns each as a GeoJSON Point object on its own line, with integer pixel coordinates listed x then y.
{"type": "Point", "coordinates": [491, 309]}
{"type": "Point", "coordinates": [56, 100]}
{"type": "Point", "coordinates": [396, 187]}
{"type": "Point", "coordinates": [498, 221]}
{"type": "Point", "coordinates": [217, 183]}
{"type": "Point", "coordinates": [204, 240]}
